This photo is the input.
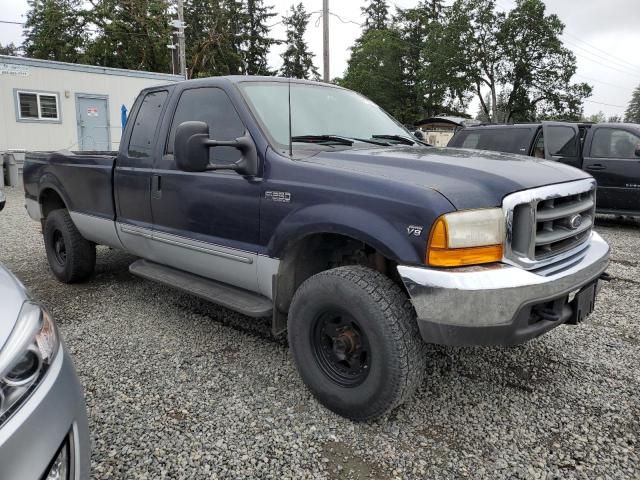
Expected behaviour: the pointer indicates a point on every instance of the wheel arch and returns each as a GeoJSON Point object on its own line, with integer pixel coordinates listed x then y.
{"type": "Point", "coordinates": [51, 196]}
{"type": "Point", "coordinates": [320, 237]}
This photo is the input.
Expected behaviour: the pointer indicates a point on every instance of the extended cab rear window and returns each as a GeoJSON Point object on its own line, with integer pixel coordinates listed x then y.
{"type": "Point", "coordinates": [509, 140]}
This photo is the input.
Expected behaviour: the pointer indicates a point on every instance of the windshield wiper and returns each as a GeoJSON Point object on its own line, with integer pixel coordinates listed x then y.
{"type": "Point", "coordinates": [397, 138]}
{"type": "Point", "coordinates": [325, 139]}
{"type": "Point", "coordinates": [322, 139]}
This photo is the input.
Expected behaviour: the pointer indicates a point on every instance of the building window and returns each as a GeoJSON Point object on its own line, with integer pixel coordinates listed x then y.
{"type": "Point", "coordinates": [38, 106]}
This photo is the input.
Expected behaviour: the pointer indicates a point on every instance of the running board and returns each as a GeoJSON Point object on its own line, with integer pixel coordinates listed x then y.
{"type": "Point", "coordinates": [243, 301]}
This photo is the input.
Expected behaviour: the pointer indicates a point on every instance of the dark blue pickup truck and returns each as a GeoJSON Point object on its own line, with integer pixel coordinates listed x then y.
{"type": "Point", "coordinates": [307, 203]}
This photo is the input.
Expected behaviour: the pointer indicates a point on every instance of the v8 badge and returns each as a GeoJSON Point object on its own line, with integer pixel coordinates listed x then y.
{"type": "Point", "coordinates": [415, 230]}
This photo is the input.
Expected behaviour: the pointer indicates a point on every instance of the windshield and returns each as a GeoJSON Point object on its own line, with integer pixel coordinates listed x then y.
{"type": "Point", "coordinates": [317, 110]}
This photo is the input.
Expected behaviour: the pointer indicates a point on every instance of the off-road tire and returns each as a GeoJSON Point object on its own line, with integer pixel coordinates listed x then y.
{"type": "Point", "coordinates": [385, 315]}
{"type": "Point", "coordinates": [79, 258]}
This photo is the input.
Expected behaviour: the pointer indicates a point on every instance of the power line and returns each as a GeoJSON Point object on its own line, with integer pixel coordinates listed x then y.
{"type": "Point", "coordinates": [602, 103]}
{"type": "Point", "coordinates": [602, 81]}
{"type": "Point", "coordinates": [11, 23]}
{"type": "Point", "coordinates": [599, 58]}
{"type": "Point", "coordinates": [602, 51]}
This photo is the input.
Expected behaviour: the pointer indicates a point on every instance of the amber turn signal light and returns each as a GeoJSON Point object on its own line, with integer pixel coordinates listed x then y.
{"type": "Point", "coordinates": [440, 255]}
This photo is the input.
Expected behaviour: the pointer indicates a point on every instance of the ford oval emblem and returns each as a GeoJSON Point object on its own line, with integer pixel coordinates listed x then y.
{"type": "Point", "coordinates": [575, 221]}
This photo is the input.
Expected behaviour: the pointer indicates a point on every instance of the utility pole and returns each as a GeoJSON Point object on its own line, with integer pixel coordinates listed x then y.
{"type": "Point", "coordinates": [181, 45]}
{"type": "Point", "coordinates": [325, 40]}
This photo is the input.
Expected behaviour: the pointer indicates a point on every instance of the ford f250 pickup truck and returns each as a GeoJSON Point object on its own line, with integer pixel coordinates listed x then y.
{"type": "Point", "coordinates": [307, 203]}
{"type": "Point", "coordinates": [608, 151]}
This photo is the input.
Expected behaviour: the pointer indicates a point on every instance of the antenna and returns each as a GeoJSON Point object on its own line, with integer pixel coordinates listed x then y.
{"type": "Point", "coordinates": [290, 139]}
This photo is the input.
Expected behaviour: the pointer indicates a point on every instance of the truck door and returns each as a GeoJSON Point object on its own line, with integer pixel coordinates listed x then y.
{"type": "Point", "coordinates": [132, 176]}
{"type": "Point", "coordinates": [207, 223]}
{"type": "Point", "coordinates": [611, 158]}
{"type": "Point", "coordinates": [562, 142]}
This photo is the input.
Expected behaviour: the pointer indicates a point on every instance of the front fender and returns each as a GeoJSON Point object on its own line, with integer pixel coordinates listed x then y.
{"type": "Point", "coordinates": [363, 225]}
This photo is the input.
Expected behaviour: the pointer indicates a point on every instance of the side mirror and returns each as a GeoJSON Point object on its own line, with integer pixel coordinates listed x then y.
{"type": "Point", "coordinates": [191, 150]}
{"type": "Point", "coordinates": [419, 135]}
{"type": "Point", "coordinates": [2, 200]}
{"type": "Point", "coordinates": [637, 152]}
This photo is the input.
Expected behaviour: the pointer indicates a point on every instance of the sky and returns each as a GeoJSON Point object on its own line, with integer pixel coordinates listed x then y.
{"type": "Point", "coordinates": [603, 34]}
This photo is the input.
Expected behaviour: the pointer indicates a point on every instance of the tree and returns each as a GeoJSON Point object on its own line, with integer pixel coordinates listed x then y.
{"type": "Point", "coordinates": [54, 30]}
{"type": "Point", "coordinates": [431, 65]}
{"type": "Point", "coordinates": [376, 15]}
{"type": "Point", "coordinates": [131, 34]}
{"type": "Point", "coordinates": [297, 59]}
{"type": "Point", "coordinates": [375, 69]}
{"type": "Point", "coordinates": [214, 37]}
{"type": "Point", "coordinates": [597, 117]}
{"type": "Point", "coordinates": [614, 119]}
{"type": "Point", "coordinates": [258, 41]}
{"type": "Point", "coordinates": [632, 114]}
{"type": "Point", "coordinates": [10, 49]}
{"type": "Point", "coordinates": [520, 54]}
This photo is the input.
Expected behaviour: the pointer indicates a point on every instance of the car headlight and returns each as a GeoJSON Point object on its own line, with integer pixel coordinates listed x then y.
{"type": "Point", "coordinates": [26, 356]}
{"type": "Point", "coordinates": [468, 237]}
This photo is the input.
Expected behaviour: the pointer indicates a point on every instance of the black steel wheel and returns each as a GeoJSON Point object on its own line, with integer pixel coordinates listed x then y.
{"type": "Point", "coordinates": [341, 348]}
{"type": "Point", "coordinates": [59, 248]}
{"type": "Point", "coordinates": [71, 257]}
{"type": "Point", "coordinates": [355, 341]}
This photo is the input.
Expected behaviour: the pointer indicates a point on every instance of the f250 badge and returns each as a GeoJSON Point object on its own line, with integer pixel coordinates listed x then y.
{"type": "Point", "coordinates": [415, 230]}
{"type": "Point", "coordinates": [281, 197]}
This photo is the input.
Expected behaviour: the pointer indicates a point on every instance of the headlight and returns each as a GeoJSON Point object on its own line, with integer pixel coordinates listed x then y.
{"type": "Point", "coordinates": [468, 237]}
{"type": "Point", "coordinates": [26, 356]}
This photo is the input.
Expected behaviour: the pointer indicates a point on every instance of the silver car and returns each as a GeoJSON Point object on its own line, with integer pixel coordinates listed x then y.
{"type": "Point", "coordinates": [43, 418]}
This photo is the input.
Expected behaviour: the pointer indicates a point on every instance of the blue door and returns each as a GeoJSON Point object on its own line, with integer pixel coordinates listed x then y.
{"type": "Point", "coordinates": [92, 114]}
{"type": "Point", "coordinates": [207, 223]}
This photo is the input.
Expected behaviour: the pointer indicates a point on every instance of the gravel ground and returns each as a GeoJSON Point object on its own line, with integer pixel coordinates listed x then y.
{"type": "Point", "coordinates": [178, 388]}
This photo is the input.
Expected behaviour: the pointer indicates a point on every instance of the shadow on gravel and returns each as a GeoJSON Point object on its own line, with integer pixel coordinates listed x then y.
{"type": "Point", "coordinates": [616, 221]}
{"type": "Point", "coordinates": [113, 266]}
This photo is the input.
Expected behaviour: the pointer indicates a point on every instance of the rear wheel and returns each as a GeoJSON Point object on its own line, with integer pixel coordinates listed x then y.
{"type": "Point", "coordinates": [71, 257]}
{"type": "Point", "coordinates": [355, 341]}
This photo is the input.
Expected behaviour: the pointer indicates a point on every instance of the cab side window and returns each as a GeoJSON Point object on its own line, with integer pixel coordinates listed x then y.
{"type": "Point", "coordinates": [562, 141]}
{"type": "Point", "coordinates": [146, 122]}
{"type": "Point", "coordinates": [538, 149]}
{"type": "Point", "coordinates": [212, 106]}
{"type": "Point", "coordinates": [614, 143]}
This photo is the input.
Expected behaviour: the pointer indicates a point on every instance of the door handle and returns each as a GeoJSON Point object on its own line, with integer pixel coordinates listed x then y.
{"type": "Point", "coordinates": [596, 166]}
{"type": "Point", "coordinates": [156, 187]}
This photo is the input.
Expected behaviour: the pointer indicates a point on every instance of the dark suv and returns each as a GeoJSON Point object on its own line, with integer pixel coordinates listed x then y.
{"type": "Point", "coordinates": [608, 151]}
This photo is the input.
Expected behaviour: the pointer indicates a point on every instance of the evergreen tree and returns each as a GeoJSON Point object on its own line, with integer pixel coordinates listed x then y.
{"type": "Point", "coordinates": [376, 15]}
{"type": "Point", "coordinates": [54, 30]}
{"type": "Point", "coordinates": [131, 34]}
{"type": "Point", "coordinates": [10, 49]}
{"type": "Point", "coordinates": [297, 59]}
{"type": "Point", "coordinates": [632, 114]}
{"type": "Point", "coordinates": [257, 39]}
{"type": "Point", "coordinates": [375, 69]}
{"type": "Point", "coordinates": [214, 37]}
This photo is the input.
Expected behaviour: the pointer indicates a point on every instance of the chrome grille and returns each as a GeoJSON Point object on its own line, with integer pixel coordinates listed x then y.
{"type": "Point", "coordinates": [547, 224]}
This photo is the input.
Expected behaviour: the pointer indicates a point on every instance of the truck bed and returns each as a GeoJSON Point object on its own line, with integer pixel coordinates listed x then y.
{"type": "Point", "coordinates": [84, 180]}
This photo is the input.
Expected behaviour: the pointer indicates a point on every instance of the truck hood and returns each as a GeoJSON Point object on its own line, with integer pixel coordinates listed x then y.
{"type": "Point", "coordinates": [467, 178]}
{"type": "Point", "coordinates": [12, 296]}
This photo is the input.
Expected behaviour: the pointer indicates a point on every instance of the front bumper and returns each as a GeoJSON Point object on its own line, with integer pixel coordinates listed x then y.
{"type": "Point", "coordinates": [495, 304]}
{"type": "Point", "coordinates": [54, 413]}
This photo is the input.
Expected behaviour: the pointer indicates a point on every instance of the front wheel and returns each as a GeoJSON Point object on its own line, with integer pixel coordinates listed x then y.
{"type": "Point", "coordinates": [355, 341]}
{"type": "Point", "coordinates": [71, 257]}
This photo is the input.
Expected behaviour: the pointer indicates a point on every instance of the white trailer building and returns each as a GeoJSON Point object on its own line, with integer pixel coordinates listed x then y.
{"type": "Point", "coordinates": [47, 105]}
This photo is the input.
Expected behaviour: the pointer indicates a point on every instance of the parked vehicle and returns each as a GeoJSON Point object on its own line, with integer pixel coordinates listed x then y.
{"type": "Point", "coordinates": [43, 419]}
{"type": "Point", "coordinates": [306, 202]}
{"type": "Point", "coordinates": [3, 200]}
{"type": "Point", "coordinates": [608, 151]}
